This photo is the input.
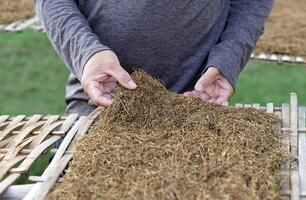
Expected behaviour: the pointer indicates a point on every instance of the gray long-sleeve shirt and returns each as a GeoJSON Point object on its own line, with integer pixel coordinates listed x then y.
{"type": "Point", "coordinates": [174, 41]}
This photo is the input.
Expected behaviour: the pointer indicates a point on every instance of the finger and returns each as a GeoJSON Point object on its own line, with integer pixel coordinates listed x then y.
{"type": "Point", "coordinates": [207, 79]}
{"type": "Point", "coordinates": [122, 77]}
{"type": "Point", "coordinates": [97, 97]}
{"type": "Point", "coordinates": [220, 100]}
{"type": "Point", "coordinates": [212, 100]}
{"type": "Point", "coordinates": [204, 96]}
{"type": "Point", "coordinates": [190, 94]}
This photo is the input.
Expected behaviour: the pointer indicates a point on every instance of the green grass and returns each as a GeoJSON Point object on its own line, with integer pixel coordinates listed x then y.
{"type": "Point", "coordinates": [32, 80]}
{"type": "Point", "coordinates": [263, 82]}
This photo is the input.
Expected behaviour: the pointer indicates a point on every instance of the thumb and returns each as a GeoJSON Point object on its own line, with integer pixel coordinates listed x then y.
{"type": "Point", "coordinates": [207, 79]}
{"type": "Point", "coordinates": [122, 77]}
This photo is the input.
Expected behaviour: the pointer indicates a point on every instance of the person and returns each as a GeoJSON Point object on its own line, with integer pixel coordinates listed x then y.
{"type": "Point", "coordinates": [197, 48]}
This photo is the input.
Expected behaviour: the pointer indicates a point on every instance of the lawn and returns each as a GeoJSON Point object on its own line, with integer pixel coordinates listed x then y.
{"type": "Point", "coordinates": [33, 80]}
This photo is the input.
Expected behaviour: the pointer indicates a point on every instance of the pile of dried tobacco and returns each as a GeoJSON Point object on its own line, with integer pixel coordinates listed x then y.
{"type": "Point", "coordinates": [285, 30]}
{"type": "Point", "coordinates": [13, 10]}
{"type": "Point", "coordinates": [153, 144]}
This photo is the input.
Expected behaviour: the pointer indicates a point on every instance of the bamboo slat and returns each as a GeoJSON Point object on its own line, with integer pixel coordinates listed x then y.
{"type": "Point", "coordinates": [295, 185]}
{"type": "Point", "coordinates": [62, 157]}
{"type": "Point", "coordinates": [23, 139]}
{"type": "Point", "coordinates": [285, 117]}
{"type": "Point", "coordinates": [21, 25]}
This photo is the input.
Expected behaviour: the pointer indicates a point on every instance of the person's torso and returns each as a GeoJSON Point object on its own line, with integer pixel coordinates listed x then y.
{"type": "Point", "coordinates": [168, 39]}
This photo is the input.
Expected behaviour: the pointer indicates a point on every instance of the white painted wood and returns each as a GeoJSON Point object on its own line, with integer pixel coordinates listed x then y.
{"type": "Point", "coordinates": [295, 182]}
{"type": "Point", "coordinates": [16, 192]}
{"type": "Point", "coordinates": [286, 144]}
{"type": "Point", "coordinates": [302, 150]}
{"type": "Point", "coordinates": [270, 108]}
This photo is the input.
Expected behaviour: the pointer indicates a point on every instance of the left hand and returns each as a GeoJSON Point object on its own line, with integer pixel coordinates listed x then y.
{"type": "Point", "coordinates": [212, 87]}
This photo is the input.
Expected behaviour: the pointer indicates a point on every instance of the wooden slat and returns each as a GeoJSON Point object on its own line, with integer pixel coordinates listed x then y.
{"type": "Point", "coordinates": [62, 157]}
{"type": "Point", "coordinates": [25, 165]}
{"type": "Point", "coordinates": [226, 103]}
{"type": "Point", "coordinates": [270, 108]}
{"type": "Point", "coordinates": [41, 189]}
{"type": "Point", "coordinates": [3, 143]}
{"type": "Point", "coordinates": [32, 120]}
{"type": "Point", "coordinates": [19, 138]}
{"type": "Point", "coordinates": [51, 119]}
{"type": "Point", "coordinates": [65, 143]}
{"type": "Point", "coordinates": [8, 181]}
{"type": "Point", "coordinates": [35, 153]}
{"type": "Point", "coordinates": [302, 150]}
{"type": "Point", "coordinates": [295, 183]}
{"type": "Point", "coordinates": [256, 106]}
{"type": "Point", "coordinates": [5, 166]}
{"type": "Point", "coordinates": [9, 129]}
{"type": "Point", "coordinates": [4, 118]}
{"type": "Point", "coordinates": [16, 192]}
{"type": "Point", "coordinates": [239, 105]}
{"type": "Point", "coordinates": [56, 132]}
{"type": "Point", "coordinates": [16, 120]}
{"type": "Point", "coordinates": [44, 133]}
{"type": "Point", "coordinates": [14, 150]}
{"type": "Point", "coordinates": [286, 144]}
{"type": "Point", "coordinates": [20, 132]}
{"type": "Point", "coordinates": [68, 122]}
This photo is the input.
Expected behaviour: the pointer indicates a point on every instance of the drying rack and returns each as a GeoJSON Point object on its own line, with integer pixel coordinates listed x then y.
{"type": "Point", "coordinates": [23, 139]}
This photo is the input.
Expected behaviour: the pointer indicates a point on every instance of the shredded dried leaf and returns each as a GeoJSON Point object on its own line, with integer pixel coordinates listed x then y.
{"type": "Point", "coordinates": [154, 144]}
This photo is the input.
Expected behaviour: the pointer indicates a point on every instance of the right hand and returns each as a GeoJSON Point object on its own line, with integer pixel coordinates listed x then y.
{"type": "Point", "coordinates": [100, 76]}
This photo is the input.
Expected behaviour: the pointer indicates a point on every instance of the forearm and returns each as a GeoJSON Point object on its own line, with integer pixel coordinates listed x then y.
{"type": "Point", "coordinates": [244, 26]}
{"type": "Point", "coordinates": [69, 32]}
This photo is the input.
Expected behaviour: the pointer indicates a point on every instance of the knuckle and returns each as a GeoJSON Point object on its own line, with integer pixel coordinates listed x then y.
{"type": "Point", "coordinates": [109, 62]}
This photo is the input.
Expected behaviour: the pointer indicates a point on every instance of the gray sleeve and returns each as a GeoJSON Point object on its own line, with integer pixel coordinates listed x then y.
{"type": "Point", "coordinates": [244, 26]}
{"type": "Point", "coordinates": [69, 32]}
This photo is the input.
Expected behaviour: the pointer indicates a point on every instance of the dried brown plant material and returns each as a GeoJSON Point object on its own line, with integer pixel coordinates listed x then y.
{"type": "Point", "coordinates": [153, 144]}
{"type": "Point", "coordinates": [286, 29]}
{"type": "Point", "coordinates": [13, 10]}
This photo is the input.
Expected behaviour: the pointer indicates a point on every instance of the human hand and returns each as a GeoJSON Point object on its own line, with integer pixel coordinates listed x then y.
{"type": "Point", "coordinates": [212, 87]}
{"type": "Point", "coordinates": [100, 76]}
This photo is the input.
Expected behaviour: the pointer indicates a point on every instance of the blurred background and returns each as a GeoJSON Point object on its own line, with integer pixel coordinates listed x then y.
{"type": "Point", "coordinates": [32, 77]}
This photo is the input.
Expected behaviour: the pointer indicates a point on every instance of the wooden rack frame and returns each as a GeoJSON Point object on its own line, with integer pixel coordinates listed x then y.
{"type": "Point", "coordinates": [21, 25]}
{"type": "Point", "coordinates": [23, 139]}
{"type": "Point", "coordinates": [279, 58]}
{"type": "Point", "coordinates": [30, 136]}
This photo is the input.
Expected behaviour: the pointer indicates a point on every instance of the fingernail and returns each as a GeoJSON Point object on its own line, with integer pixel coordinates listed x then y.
{"type": "Point", "coordinates": [132, 84]}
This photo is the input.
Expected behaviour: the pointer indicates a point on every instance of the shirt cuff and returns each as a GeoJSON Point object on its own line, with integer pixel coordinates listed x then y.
{"type": "Point", "coordinates": [229, 70]}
